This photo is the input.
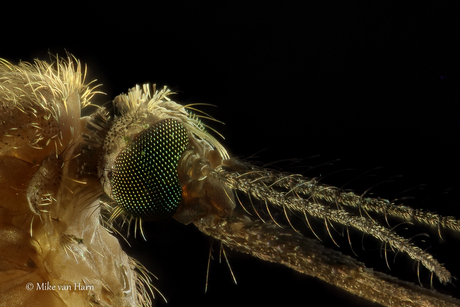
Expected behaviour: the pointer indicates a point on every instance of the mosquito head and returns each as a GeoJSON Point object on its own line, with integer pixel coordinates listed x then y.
{"type": "Point", "coordinates": [156, 160]}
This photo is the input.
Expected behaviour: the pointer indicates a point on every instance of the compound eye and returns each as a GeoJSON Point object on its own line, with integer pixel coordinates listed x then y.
{"type": "Point", "coordinates": [144, 179]}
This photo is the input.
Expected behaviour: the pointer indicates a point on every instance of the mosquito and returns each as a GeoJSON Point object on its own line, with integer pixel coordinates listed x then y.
{"type": "Point", "coordinates": [68, 182]}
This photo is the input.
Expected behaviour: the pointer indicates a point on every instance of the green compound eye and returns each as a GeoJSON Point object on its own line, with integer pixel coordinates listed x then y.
{"type": "Point", "coordinates": [144, 179]}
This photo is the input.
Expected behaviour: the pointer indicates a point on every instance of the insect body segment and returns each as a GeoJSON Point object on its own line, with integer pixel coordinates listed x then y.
{"type": "Point", "coordinates": [156, 159]}
{"type": "Point", "coordinates": [144, 180]}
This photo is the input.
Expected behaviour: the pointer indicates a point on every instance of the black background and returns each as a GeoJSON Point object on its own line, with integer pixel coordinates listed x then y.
{"type": "Point", "coordinates": [372, 85]}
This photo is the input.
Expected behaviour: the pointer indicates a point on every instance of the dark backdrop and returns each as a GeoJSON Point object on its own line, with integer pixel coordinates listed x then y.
{"type": "Point", "coordinates": [372, 85]}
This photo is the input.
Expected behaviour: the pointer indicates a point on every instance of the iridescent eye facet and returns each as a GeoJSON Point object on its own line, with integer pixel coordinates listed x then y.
{"type": "Point", "coordinates": [144, 179]}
